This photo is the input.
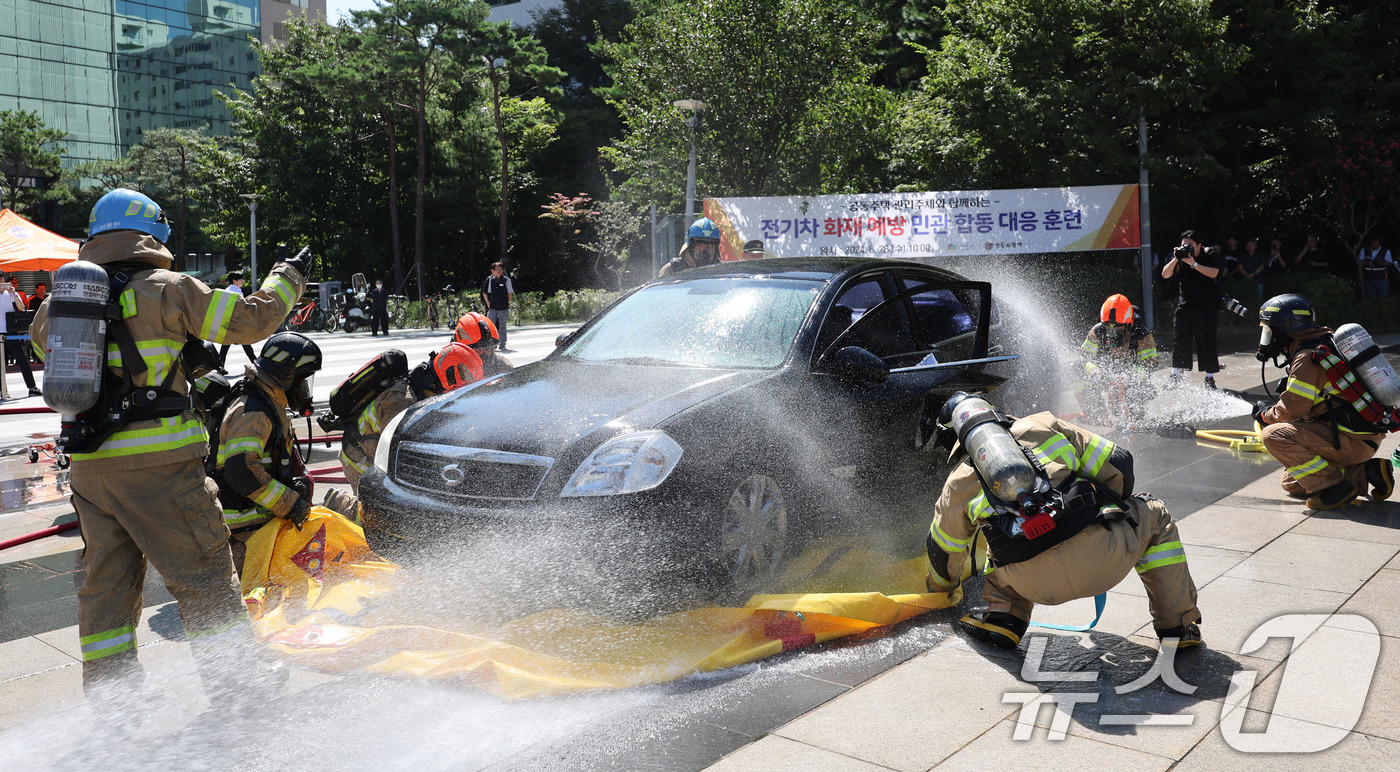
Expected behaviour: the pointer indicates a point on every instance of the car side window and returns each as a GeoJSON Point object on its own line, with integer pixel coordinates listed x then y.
{"type": "Point", "coordinates": [945, 320]}
{"type": "Point", "coordinates": [886, 335]}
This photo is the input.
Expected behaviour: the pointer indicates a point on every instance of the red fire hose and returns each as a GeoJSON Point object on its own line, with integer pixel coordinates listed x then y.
{"type": "Point", "coordinates": [328, 474]}
{"type": "Point", "coordinates": [37, 535]}
{"type": "Point", "coordinates": [25, 410]}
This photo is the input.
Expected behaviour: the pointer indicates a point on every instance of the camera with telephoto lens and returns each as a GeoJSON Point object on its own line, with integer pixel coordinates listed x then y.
{"type": "Point", "coordinates": [1234, 306]}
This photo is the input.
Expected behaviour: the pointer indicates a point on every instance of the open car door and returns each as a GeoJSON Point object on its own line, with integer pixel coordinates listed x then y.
{"type": "Point", "coordinates": [898, 361]}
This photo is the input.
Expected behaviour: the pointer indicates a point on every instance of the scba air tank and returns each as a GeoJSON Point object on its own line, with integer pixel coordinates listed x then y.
{"type": "Point", "coordinates": [996, 454]}
{"type": "Point", "coordinates": [76, 348]}
{"type": "Point", "coordinates": [1369, 364]}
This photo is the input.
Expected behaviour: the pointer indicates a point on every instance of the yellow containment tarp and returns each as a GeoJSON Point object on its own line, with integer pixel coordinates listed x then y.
{"type": "Point", "coordinates": [303, 589]}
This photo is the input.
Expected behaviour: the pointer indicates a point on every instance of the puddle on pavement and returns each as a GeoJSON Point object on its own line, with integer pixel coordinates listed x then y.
{"type": "Point", "coordinates": [31, 477]}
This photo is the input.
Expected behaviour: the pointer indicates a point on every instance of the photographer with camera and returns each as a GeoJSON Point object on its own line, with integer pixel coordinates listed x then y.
{"type": "Point", "coordinates": [1196, 269]}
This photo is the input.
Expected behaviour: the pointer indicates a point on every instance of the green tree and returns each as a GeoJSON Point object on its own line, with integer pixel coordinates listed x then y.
{"type": "Point", "coordinates": [774, 74]}
{"type": "Point", "coordinates": [418, 36]}
{"type": "Point", "coordinates": [1026, 93]}
{"type": "Point", "coordinates": [311, 148]}
{"type": "Point", "coordinates": [164, 165]}
{"type": "Point", "coordinates": [508, 57]}
{"type": "Point", "coordinates": [31, 162]}
{"type": "Point", "coordinates": [573, 34]}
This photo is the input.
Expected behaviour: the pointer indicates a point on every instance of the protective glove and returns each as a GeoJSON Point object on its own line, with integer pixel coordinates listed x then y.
{"type": "Point", "coordinates": [1258, 413]}
{"type": "Point", "coordinates": [300, 511]}
{"type": "Point", "coordinates": [303, 262]}
{"type": "Point", "coordinates": [302, 485]}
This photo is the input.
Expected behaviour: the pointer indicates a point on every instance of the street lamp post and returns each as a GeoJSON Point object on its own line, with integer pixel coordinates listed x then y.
{"type": "Point", "coordinates": [694, 107]}
{"type": "Point", "coordinates": [252, 199]}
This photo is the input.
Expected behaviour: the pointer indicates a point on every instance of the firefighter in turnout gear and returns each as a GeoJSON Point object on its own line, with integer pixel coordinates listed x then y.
{"type": "Point", "coordinates": [1051, 507]}
{"type": "Point", "coordinates": [1118, 347]}
{"type": "Point", "coordinates": [701, 248]}
{"type": "Point", "coordinates": [142, 493]}
{"type": "Point", "coordinates": [455, 366]}
{"type": "Point", "coordinates": [257, 465]}
{"type": "Point", "coordinates": [479, 332]}
{"type": "Point", "coordinates": [1326, 448]}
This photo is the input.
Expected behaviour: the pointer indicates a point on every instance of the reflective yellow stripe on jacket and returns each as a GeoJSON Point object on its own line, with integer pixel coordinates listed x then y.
{"type": "Point", "coordinates": [170, 433]}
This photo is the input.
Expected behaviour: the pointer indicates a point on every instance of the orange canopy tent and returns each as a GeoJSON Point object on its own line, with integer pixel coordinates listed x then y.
{"type": "Point", "coordinates": [25, 246]}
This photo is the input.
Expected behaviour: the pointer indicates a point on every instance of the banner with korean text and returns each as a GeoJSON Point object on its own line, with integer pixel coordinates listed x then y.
{"type": "Point", "coordinates": [920, 226]}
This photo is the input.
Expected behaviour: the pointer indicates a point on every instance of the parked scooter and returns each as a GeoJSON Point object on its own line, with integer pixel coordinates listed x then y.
{"type": "Point", "coordinates": [352, 304]}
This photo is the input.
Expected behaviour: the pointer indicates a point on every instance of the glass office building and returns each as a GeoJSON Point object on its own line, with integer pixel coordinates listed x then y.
{"type": "Point", "coordinates": [107, 71]}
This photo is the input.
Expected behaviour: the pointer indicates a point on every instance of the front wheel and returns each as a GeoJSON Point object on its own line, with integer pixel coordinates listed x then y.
{"type": "Point", "coordinates": [352, 324]}
{"type": "Point", "coordinates": [754, 544]}
{"type": "Point", "coordinates": [399, 315]}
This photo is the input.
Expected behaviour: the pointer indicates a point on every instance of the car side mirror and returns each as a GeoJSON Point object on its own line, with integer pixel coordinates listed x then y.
{"type": "Point", "coordinates": [858, 364]}
{"type": "Point", "coordinates": [562, 339]}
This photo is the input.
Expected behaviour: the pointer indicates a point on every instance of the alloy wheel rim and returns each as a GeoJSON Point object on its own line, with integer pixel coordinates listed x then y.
{"type": "Point", "coordinates": [754, 531]}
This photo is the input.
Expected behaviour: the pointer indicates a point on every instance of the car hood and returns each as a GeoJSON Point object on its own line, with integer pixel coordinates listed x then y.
{"type": "Point", "coordinates": [544, 407]}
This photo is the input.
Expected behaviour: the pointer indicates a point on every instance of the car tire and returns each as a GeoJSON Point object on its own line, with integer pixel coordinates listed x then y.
{"type": "Point", "coordinates": [752, 538]}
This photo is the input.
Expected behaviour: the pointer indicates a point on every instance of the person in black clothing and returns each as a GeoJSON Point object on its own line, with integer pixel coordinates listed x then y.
{"type": "Point", "coordinates": [1196, 270]}
{"type": "Point", "coordinates": [496, 293]}
{"type": "Point", "coordinates": [378, 308]}
{"type": "Point", "coordinates": [236, 282]}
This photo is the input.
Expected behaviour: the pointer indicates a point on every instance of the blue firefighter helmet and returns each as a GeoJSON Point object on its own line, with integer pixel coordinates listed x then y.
{"type": "Point", "coordinates": [703, 228]}
{"type": "Point", "coordinates": [124, 209]}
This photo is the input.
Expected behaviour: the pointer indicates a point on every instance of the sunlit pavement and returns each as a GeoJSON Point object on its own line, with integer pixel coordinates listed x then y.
{"type": "Point", "coordinates": [912, 698]}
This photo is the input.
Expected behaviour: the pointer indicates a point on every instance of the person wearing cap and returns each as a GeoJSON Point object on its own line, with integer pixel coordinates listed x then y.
{"type": "Point", "coordinates": [753, 249]}
{"type": "Point", "coordinates": [701, 248]}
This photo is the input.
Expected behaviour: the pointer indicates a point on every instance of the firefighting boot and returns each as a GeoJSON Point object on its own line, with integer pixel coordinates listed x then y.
{"type": "Point", "coordinates": [1333, 496]}
{"type": "Point", "coordinates": [1180, 637]}
{"type": "Point", "coordinates": [995, 627]}
{"type": "Point", "coordinates": [1380, 475]}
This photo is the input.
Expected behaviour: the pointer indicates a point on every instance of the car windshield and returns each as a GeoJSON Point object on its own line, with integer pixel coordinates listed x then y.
{"type": "Point", "coordinates": [721, 322]}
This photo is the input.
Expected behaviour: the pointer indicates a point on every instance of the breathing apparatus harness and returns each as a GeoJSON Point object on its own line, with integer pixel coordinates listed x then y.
{"type": "Point", "coordinates": [1353, 406]}
{"type": "Point", "coordinates": [1040, 518]}
{"type": "Point", "coordinates": [119, 401]}
{"type": "Point", "coordinates": [288, 467]}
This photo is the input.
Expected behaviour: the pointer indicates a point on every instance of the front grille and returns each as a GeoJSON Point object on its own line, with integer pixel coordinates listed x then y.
{"type": "Point", "coordinates": [470, 473]}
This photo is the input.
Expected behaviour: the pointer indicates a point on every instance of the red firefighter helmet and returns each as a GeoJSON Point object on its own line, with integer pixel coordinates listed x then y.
{"type": "Point", "coordinates": [474, 329]}
{"type": "Point", "coordinates": [457, 365]}
{"type": "Point", "coordinates": [1116, 310]}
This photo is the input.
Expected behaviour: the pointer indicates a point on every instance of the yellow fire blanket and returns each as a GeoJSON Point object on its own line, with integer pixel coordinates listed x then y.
{"type": "Point", "coordinates": [305, 590]}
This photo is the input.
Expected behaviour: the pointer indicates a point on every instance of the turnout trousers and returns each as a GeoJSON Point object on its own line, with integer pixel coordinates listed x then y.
{"type": "Point", "coordinates": [1311, 462]}
{"type": "Point", "coordinates": [1096, 560]}
{"type": "Point", "coordinates": [169, 515]}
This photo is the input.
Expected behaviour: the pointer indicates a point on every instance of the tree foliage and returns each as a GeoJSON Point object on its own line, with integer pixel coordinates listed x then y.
{"type": "Point", "coordinates": [785, 81]}
{"type": "Point", "coordinates": [31, 161]}
{"type": "Point", "coordinates": [1029, 93]}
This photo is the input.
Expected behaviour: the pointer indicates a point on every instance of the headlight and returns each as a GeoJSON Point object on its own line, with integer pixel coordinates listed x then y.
{"type": "Point", "coordinates": [627, 463]}
{"type": "Point", "coordinates": [386, 439]}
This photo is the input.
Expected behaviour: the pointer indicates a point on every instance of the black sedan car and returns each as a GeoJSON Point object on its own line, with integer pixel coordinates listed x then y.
{"type": "Point", "coordinates": [723, 415]}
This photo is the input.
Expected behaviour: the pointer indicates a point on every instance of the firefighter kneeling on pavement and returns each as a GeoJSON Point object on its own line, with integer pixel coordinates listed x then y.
{"type": "Point", "coordinates": [1316, 430]}
{"type": "Point", "coordinates": [257, 466]}
{"type": "Point", "coordinates": [138, 478]}
{"type": "Point", "coordinates": [1054, 510]}
{"type": "Point", "coordinates": [1118, 346]}
{"type": "Point", "coordinates": [453, 367]}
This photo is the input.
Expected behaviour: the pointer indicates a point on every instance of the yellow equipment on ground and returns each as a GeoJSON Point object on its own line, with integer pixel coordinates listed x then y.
{"type": "Point", "coordinates": [1236, 439]}
{"type": "Point", "coordinates": [312, 594]}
